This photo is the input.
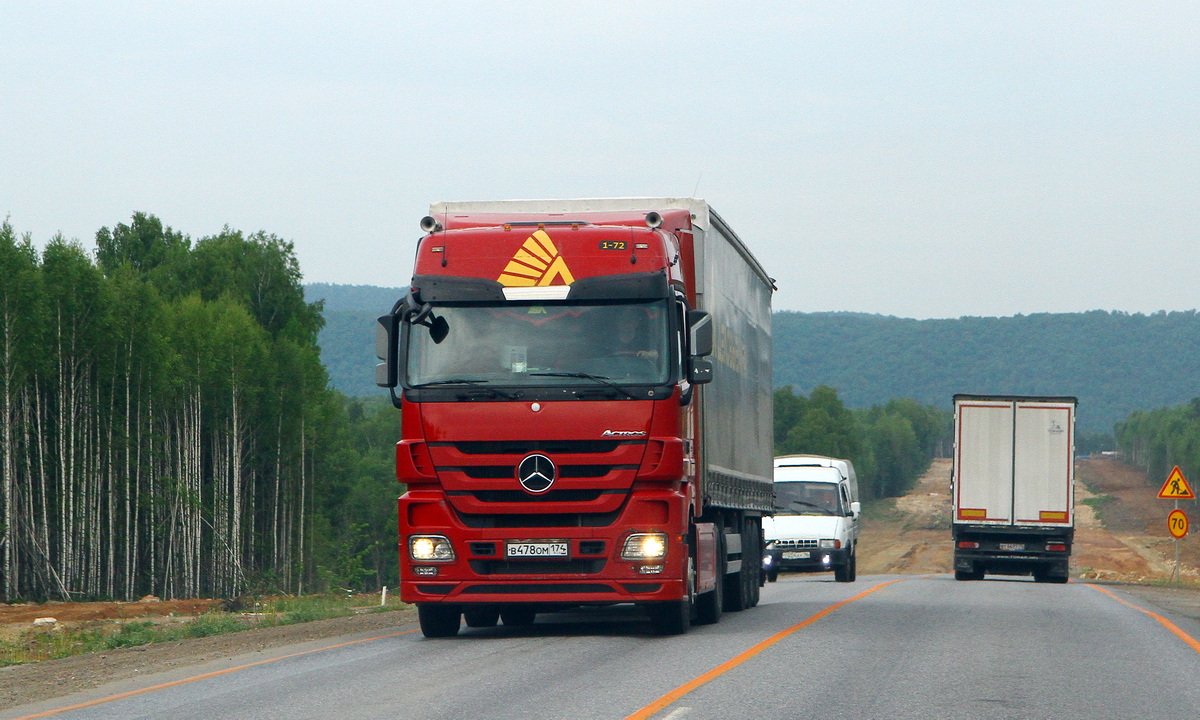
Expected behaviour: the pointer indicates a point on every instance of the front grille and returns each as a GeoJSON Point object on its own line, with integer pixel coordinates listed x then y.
{"type": "Point", "coordinates": [591, 547]}
{"type": "Point", "coordinates": [537, 567]}
{"type": "Point", "coordinates": [538, 589]}
{"type": "Point", "coordinates": [796, 544]}
{"type": "Point", "coordinates": [483, 548]}
{"type": "Point", "coordinates": [520, 496]}
{"type": "Point", "coordinates": [524, 447]}
{"type": "Point", "coordinates": [563, 520]}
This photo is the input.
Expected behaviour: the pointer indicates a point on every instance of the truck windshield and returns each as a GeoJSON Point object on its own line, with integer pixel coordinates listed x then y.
{"type": "Point", "coordinates": [807, 498]}
{"type": "Point", "coordinates": [544, 344]}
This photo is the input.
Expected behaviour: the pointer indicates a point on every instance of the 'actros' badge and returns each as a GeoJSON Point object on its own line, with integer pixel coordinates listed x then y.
{"type": "Point", "coordinates": [536, 473]}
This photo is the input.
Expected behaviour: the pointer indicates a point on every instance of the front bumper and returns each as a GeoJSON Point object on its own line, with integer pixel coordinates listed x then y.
{"type": "Point", "coordinates": [805, 559]}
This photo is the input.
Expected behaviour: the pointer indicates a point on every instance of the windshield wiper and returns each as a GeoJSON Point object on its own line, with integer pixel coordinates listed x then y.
{"type": "Point", "coordinates": [587, 376]}
{"type": "Point", "coordinates": [825, 510]}
{"type": "Point", "coordinates": [473, 383]}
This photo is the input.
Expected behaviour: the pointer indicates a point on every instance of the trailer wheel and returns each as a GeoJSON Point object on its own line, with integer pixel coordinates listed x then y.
{"type": "Point", "coordinates": [481, 617]}
{"type": "Point", "coordinates": [438, 621]}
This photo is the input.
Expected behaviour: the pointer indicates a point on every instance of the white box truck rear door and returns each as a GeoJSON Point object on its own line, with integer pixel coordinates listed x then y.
{"type": "Point", "coordinates": [984, 462]}
{"type": "Point", "coordinates": [1043, 470]}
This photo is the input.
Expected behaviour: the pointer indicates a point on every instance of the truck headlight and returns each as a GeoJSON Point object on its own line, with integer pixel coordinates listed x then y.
{"type": "Point", "coordinates": [828, 544]}
{"type": "Point", "coordinates": [645, 546]}
{"type": "Point", "coordinates": [430, 548]}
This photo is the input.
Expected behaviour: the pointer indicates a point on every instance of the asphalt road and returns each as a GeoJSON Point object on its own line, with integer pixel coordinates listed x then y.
{"type": "Point", "coordinates": [884, 647]}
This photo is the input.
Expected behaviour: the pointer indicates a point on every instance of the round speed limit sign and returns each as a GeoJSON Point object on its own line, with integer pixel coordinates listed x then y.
{"type": "Point", "coordinates": [1177, 524]}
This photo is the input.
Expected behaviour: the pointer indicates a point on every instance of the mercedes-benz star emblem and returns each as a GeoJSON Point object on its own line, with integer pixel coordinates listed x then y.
{"type": "Point", "coordinates": [536, 473]}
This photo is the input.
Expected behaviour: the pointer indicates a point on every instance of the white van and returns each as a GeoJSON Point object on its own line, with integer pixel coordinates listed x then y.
{"type": "Point", "coordinates": [815, 528]}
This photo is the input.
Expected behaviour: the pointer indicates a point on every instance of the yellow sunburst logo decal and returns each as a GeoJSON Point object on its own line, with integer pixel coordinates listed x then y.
{"type": "Point", "coordinates": [536, 264]}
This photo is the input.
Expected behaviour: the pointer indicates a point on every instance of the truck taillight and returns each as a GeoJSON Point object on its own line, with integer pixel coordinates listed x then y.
{"type": "Point", "coordinates": [968, 545]}
{"type": "Point", "coordinates": [1056, 547]}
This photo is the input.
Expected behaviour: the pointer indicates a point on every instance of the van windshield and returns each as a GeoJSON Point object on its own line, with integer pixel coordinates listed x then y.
{"type": "Point", "coordinates": [807, 498]}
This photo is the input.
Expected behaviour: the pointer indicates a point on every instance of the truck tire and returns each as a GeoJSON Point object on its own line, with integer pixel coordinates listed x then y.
{"type": "Point", "coordinates": [674, 617]}
{"type": "Point", "coordinates": [518, 616]}
{"type": "Point", "coordinates": [741, 587]}
{"type": "Point", "coordinates": [772, 575]}
{"type": "Point", "coordinates": [438, 621]}
{"type": "Point", "coordinates": [481, 617]}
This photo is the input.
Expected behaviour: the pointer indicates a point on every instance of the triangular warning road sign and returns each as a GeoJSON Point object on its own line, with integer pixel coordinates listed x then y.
{"type": "Point", "coordinates": [1176, 488]}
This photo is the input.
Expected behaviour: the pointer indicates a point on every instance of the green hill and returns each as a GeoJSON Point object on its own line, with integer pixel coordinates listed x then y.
{"type": "Point", "coordinates": [1113, 362]}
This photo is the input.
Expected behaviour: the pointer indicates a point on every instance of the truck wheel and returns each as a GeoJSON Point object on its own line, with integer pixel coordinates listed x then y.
{"type": "Point", "coordinates": [853, 563]}
{"type": "Point", "coordinates": [674, 616]}
{"type": "Point", "coordinates": [518, 616]}
{"type": "Point", "coordinates": [481, 617]}
{"type": "Point", "coordinates": [438, 621]}
{"type": "Point", "coordinates": [755, 581]}
{"type": "Point", "coordinates": [772, 575]}
{"type": "Point", "coordinates": [740, 587]}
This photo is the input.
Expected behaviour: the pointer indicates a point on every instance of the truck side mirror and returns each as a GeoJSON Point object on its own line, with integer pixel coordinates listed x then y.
{"type": "Point", "coordinates": [700, 371]}
{"type": "Point", "coordinates": [385, 351]}
{"type": "Point", "coordinates": [700, 333]}
{"type": "Point", "coordinates": [856, 508]}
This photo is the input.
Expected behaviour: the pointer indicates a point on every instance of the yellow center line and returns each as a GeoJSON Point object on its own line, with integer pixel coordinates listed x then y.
{"type": "Point", "coordinates": [205, 676]}
{"type": "Point", "coordinates": [737, 660]}
{"type": "Point", "coordinates": [1179, 633]}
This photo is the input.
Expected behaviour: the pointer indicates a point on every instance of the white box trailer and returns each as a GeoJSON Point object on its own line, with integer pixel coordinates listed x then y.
{"type": "Point", "coordinates": [1013, 486]}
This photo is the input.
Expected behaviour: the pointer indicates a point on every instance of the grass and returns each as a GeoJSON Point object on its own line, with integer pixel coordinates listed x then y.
{"type": "Point", "coordinates": [60, 642]}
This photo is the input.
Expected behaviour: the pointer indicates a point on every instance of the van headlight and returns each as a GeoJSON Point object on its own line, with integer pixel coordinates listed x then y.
{"type": "Point", "coordinates": [430, 548]}
{"type": "Point", "coordinates": [827, 544]}
{"type": "Point", "coordinates": [645, 546]}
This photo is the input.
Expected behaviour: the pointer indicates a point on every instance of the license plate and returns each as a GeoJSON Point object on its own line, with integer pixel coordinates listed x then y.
{"type": "Point", "coordinates": [796, 555]}
{"type": "Point", "coordinates": [537, 548]}
{"type": "Point", "coordinates": [1012, 546]}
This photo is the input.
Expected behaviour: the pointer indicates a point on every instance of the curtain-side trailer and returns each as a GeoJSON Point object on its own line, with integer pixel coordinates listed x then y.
{"type": "Point", "coordinates": [586, 412]}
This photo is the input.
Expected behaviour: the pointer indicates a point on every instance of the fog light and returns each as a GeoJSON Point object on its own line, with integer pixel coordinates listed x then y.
{"type": "Point", "coordinates": [649, 569]}
{"type": "Point", "coordinates": [425, 570]}
{"type": "Point", "coordinates": [430, 548]}
{"type": "Point", "coordinates": [767, 560]}
{"type": "Point", "coordinates": [825, 560]}
{"type": "Point", "coordinates": [645, 546]}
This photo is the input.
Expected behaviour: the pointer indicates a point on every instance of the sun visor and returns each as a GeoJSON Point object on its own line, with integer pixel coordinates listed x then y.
{"type": "Point", "coordinates": [443, 289]}
{"type": "Point", "coordinates": [629, 286]}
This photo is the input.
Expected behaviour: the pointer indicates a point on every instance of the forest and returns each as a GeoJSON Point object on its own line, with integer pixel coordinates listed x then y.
{"type": "Point", "coordinates": [166, 425]}
{"type": "Point", "coordinates": [891, 445]}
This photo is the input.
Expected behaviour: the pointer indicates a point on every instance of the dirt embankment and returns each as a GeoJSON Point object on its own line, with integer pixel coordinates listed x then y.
{"type": "Point", "coordinates": [1120, 535]}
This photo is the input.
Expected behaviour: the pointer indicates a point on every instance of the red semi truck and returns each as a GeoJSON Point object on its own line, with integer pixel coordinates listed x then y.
{"type": "Point", "coordinates": [586, 419]}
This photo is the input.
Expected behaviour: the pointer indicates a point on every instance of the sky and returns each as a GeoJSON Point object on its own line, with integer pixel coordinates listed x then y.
{"type": "Point", "coordinates": [916, 158]}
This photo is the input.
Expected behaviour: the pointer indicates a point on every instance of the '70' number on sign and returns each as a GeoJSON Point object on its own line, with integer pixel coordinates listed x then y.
{"type": "Point", "coordinates": [1177, 524]}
